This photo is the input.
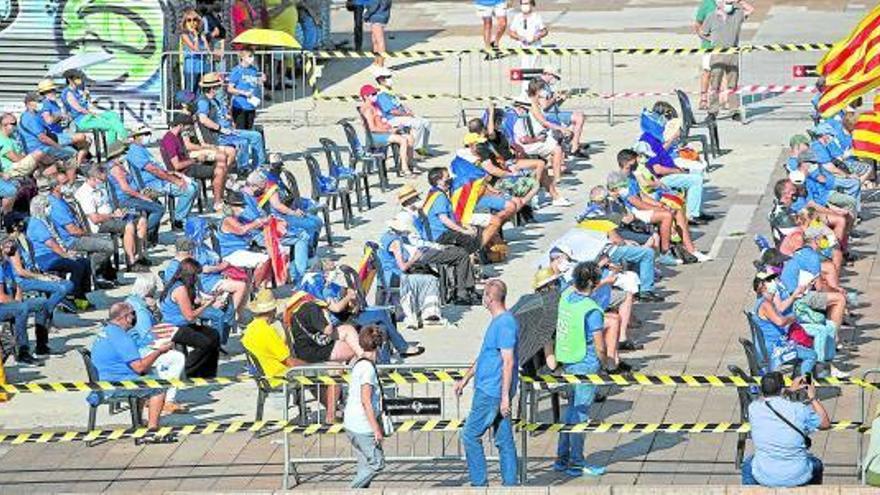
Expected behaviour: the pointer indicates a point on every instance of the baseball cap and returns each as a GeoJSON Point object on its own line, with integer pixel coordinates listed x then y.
{"type": "Point", "coordinates": [473, 138]}
{"type": "Point", "coordinates": [796, 177]}
{"type": "Point", "coordinates": [807, 156]}
{"type": "Point", "coordinates": [368, 90]}
{"type": "Point", "coordinates": [798, 139]}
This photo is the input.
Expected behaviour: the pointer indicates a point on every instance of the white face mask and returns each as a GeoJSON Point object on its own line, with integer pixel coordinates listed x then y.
{"type": "Point", "coordinates": [771, 287]}
{"type": "Point", "coordinates": [525, 8]}
{"type": "Point", "coordinates": [728, 8]}
{"type": "Point", "coordinates": [564, 266]}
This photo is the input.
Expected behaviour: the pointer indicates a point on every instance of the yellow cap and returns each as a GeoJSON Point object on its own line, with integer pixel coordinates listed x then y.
{"type": "Point", "coordinates": [473, 138]}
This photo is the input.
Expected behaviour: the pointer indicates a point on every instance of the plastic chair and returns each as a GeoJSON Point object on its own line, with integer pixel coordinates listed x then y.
{"type": "Point", "coordinates": [372, 147]}
{"type": "Point", "coordinates": [360, 179]}
{"type": "Point", "coordinates": [288, 182]}
{"type": "Point", "coordinates": [84, 220]}
{"type": "Point", "coordinates": [445, 272]}
{"type": "Point", "coordinates": [332, 196]}
{"type": "Point", "coordinates": [114, 402]}
{"type": "Point", "coordinates": [689, 123]}
{"type": "Point", "coordinates": [745, 395]}
{"type": "Point", "coordinates": [385, 294]}
{"type": "Point", "coordinates": [372, 160]}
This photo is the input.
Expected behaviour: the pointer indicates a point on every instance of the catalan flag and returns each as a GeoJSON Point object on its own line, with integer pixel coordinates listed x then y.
{"type": "Point", "coordinates": [866, 133]}
{"type": "Point", "coordinates": [366, 270]}
{"type": "Point", "coordinates": [852, 67]}
{"type": "Point", "coordinates": [467, 185]}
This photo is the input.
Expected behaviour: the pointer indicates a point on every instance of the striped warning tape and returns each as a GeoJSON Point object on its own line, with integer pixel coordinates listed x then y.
{"type": "Point", "coordinates": [440, 53]}
{"type": "Point", "coordinates": [436, 425]}
{"type": "Point", "coordinates": [750, 89]}
{"type": "Point", "coordinates": [417, 377]}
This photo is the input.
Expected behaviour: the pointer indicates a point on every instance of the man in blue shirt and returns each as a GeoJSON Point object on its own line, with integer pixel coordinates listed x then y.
{"type": "Point", "coordinates": [53, 113]}
{"type": "Point", "coordinates": [830, 159]}
{"type": "Point", "coordinates": [822, 186]}
{"type": "Point", "coordinates": [580, 348]}
{"type": "Point", "coordinates": [441, 216]}
{"type": "Point", "coordinates": [806, 267]}
{"type": "Point", "coordinates": [13, 306]}
{"type": "Point", "coordinates": [116, 357]}
{"type": "Point", "coordinates": [76, 236]}
{"type": "Point", "coordinates": [35, 132]}
{"type": "Point", "coordinates": [788, 196]}
{"type": "Point", "coordinates": [214, 116]}
{"type": "Point", "coordinates": [496, 373]}
{"type": "Point", "coordinates": [399, 115]}
{"type": "Point", "coordinates": [780, 429]}
{"type": "Point", "coordinates": [245, 84]}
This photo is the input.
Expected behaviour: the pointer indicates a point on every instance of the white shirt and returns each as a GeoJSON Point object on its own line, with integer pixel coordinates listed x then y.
{"type": "Point", "coordinates": [362, 373]}
{"type": "Point", "coordinates": [527, 28]}
{"type": "Point", "coordinates": [93, 201]}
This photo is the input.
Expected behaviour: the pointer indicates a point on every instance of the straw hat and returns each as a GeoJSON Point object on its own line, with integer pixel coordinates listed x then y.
{"type": "Point", "coordinates": [543, 277]}
{"type": "Point", "coordinates": [116, 149]}
{"type": "Point", "coordinates": [264, 303]}
{"type": "Point", "coordinates": [210, 80]}
{"type": "Point", "coordinates": [141, 130]}
{"type": "Point", "coordinates": [402, 222]}
{"type": "Point", "coordinates": [46, 85]}
{"type": "Point", "coordinates": [406, 193]}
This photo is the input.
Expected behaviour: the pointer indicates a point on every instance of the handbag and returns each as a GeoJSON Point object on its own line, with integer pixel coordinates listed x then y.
{"type": "Point", "coordinates": [798, 335]}
{"type": "Point", "coordinates": [384, 420]}
{"type": "Point", "coordinates": [807, 442]}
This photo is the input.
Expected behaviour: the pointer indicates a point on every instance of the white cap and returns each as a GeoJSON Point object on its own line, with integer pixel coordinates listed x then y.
{"type": "Point", "coordinates": [796, 177]}
{"type": "Point", "coordinates": [381, 72]}
{"type": "Point", "coordinates": [643, 148]}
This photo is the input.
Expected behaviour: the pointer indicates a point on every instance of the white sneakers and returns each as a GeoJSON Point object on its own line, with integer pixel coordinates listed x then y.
{"type": "Point", "coordinates": [560, 201]}
{"type": "Point", "coordinates": [701, 257]}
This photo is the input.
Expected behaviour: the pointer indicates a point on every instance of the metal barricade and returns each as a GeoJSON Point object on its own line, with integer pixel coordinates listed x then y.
{"type": "Point", "coordinates": [583, 70]}
{"type": "Point", "coordinates": [762, 68]}
{"type": "Point", "coordinates": [279, 99]}
{"type": "Point", "coordinates": [403, 446]}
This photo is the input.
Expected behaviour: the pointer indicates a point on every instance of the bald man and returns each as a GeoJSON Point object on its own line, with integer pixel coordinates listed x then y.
{"type": "Point", "coordinates": [494, 388]}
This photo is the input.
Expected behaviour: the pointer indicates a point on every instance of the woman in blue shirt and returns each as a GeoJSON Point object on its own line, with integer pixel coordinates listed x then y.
{"type": "Point", "coordinates": [86, 116]}
{"type": "Point", "coordinates": [51, 257]}
{"type": "Point", "coordinates": [773, 316]}
{"type": "Point", "coordinates": [236, 233]}
{"type": "Point", "coordinates": [245, 84]}
{"type": "Point", "coordinates": [194, 48]}
{"type": "Point", "coordinates": [180, 306]}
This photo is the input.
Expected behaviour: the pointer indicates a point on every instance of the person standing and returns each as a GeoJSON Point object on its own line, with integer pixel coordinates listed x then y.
{"type": "Point", "coordinates": [363, 410]}
{"type": "Point", "coordinates": [245, 84]}
{"type": "Point", "coordinates": [706, 8]}
{"type": "Point", "coordinates": [489, 10]}
{"type": "Point", "coordinates": [580, 348]}
{"type": "Point", "coordinates": [528, 29]}
{"type": "Point", "coordinates": [494, 387]}
{"type": "Point", "coordinates": [780, 433]}
{"type": "Point", "coordinates": [723, 28]}
{"type": "Point", "coordinates": [377, 13]}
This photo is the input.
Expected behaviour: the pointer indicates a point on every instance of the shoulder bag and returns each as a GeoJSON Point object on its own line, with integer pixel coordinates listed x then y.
{"type": "Point", "coordinates": [807, 442]}
{"type": "Point", "coordinates": [384, 420]}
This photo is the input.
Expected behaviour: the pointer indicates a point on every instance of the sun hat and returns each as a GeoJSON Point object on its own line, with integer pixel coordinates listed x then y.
{"type": "Point", "coordinates": [406, 193]}
{"type": "Point", "coordinates": [402, 222]}
{"type": "Point", "coordinates": [796, 177]}
{"type": "Point", "coordinates": [141, 130]}
{"type": "Point", "coordinates": [543, 277]}
{"type": "Point", "coordinates": [368, 90]}
{"type": "Point", "coordinates": [210, 80]}
{"type": "Point", "coordinates": [473, 138]}
{"type": "Point", "coordinates": [264, 303]}
{"type": "Point", "coordinates": [46, 85]}
{"type": "Point", "coordinates": [798, 139]}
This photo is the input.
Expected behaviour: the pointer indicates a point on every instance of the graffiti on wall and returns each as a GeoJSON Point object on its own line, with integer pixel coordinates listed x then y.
{"type": "Point", "coordinates": [130, 30]}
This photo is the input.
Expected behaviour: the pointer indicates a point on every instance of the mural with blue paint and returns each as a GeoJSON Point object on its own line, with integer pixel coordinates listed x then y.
{"type": "Point", "coordinates": [132, 31]}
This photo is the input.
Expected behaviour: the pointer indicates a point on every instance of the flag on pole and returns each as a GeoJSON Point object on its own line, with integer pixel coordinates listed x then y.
{"type": "Point", "coordinates": [852, 67]}
{"type": "Point", "coordinates": [866, 133]}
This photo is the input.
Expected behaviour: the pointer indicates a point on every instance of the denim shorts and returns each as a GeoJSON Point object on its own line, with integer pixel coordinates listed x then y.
{"type": "Point", "coordinates": [378, 12]}
{"type": "Point", "coordinates": [380, 139]}
{"type": "Point", "coordinates": [559, 118]}
{"type": "Point", "coordinates": [492, 203]}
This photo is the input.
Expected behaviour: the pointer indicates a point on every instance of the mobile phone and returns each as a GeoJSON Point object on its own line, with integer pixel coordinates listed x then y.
{"type": "Point", "coordinates": [808, 378]}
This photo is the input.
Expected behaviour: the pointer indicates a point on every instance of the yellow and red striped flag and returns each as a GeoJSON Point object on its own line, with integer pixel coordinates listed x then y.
{"type": "Point", "coordinates": [866, 133]}
{"type": "Point", "coordinates": [852, 67]}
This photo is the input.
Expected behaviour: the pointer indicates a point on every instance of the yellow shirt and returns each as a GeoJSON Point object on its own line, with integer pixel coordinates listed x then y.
{"type": "Point", "coordinates": [264, 343]}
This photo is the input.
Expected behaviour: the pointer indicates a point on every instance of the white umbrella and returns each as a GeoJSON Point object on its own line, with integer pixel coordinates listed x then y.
{"type": "Point", "coordinates": [79, 61]}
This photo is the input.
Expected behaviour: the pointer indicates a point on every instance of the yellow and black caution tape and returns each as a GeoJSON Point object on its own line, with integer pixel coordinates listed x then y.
{"type": "Point", "coordinates": [440, 53]}
{"type": "Point", "coordinates": [437, 425]}
{"type": "Point", "coordinates": [416, 377]}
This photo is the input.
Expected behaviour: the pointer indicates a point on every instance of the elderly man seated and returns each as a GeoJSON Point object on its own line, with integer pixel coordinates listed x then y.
{"type": "Point", "coordinates": [534, 140]}
{"type": "Point", "coordinates": [793, 200]}
{"type": "Point", "coordinates": [116, 357]}
{"type": "Point", "coordinates": [830, 157]}
{"type": "Point", "coordinates": [399, 115]}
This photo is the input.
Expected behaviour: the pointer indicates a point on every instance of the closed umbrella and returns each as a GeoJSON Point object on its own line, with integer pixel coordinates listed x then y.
{"type": "Point", "coordinates": [79, 61]}
{"type": "Point", "coordinates": [585, 244]}
{"type": "Point", "coordinates": [536, 314]}
{"type": "Point", "coordinates": [266, 37]}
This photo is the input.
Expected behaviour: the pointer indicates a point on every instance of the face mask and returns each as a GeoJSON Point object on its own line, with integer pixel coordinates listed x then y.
{"type": "Point", "coordinates": [728, 8]}
{"type": "Point", "coordinates": [623, 192]}
{"type": "Point", "coordinates": [771, 288]}
{"type": "Point", "coordinates": [564, 266]}
{"type": "Point", "coordinates": [525, 9]}
{"type": "Point", "coordinates": [67, 190]}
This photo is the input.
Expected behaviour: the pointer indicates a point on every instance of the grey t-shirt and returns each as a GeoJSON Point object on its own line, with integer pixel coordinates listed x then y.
{"type": "Point", "coordinates": [724, 30]}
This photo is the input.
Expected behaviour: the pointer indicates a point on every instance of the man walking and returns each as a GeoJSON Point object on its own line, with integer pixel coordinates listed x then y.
{"type": "Point", "coordinates": [495, 385]}
{"type": "Point", "coordinates": [580, 348]}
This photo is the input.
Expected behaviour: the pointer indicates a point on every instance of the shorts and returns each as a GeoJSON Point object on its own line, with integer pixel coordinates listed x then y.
{"type": "Point", "coordinates": [23, 168]}
{"type": "Point", "coordinates": [199, 171]}
{"type": "Point", "coordinates": [489, 11]}
{"type": "Point", "coordinates": [378, 12]}
{"type": "Point", "coordinates": [816, 300]}
{"type": "Point", "coordinates": [617, 298]}
{"type": "Point", "coordinates": [639, 238]}
{"type": "Point", "coordinates": [516, 186]}
{"type": "Point", "coordinates": [492, 202]}
{"type": "Point", "coordinates": [559, 118]}
{"type": "Point", "coordinates": [381, 139]}
{"type": "Point", "coordinates": [706, 62]}
{"type": "Point", "coordinates": [643, 215]}
{"type": "Point", "coordinates": [114, 226]}
{"type": "Point", "coordinates": [206, 155]}
{"type": "Point", "coordinates": [64, 139]}
{"type": "Point", "coordinates": [544, 149]}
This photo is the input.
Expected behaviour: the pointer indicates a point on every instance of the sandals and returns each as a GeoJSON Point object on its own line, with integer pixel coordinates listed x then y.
{"type": "Point", "coordinates": [152, 438]}
{"type": "Point", "coordinates": [174, 408]}
{"type": "Point", "coordinates": [704, 101]}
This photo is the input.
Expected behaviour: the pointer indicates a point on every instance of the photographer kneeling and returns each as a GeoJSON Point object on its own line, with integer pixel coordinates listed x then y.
{"type": "Point", "coordinates": [780, 429]}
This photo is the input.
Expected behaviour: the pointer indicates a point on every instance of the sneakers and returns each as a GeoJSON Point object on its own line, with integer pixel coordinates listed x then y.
{"type": "Point", "coordinates": [578, 471]}
{"type": "Point", "coordinates": [82, 304]}
{"type": "Point", "coordinates": [836, 373]}
{"type": "Point", "coordinates": [24, 357]}
{"type": "Point", "coordinates": [701, 257]}
{"type": "Point", "coordinates": [649, 296]}
{"type": "Point", "coordinates": [667, 259]}
{"type": "Point", "coordinates": [560, 201]}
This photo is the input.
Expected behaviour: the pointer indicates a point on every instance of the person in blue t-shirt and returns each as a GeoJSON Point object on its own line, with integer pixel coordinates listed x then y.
{"type": "Point", "coordinates": [496, 374]}
{"type": "Point", "coordinates": [86, 116]}
{"type": "Point", "coordinates": [399, 115]}
{"type": "Point", "coordinates": [116, 358]}
{"type": "Point", "coordinates": [212, 114]}
{"type": "Point", "coordinates": [245, 84]}
{"type": "Point", "coordinates": [442, 222]}
{"type": "Point", "coordinates": [35, 132]}
{"type": "Point", "coordinates": [13, 306]}
{"type": "Point", "coordinates": [794, 200]}
{"type": "Point", "coordinates": [831, 159]}
{"type": "Point", "coordinates": [579, 327]}
{"type": "Point", "coordinates": [806, 267]}
{"type": "Point", "coordinates": [780, 429]}
{"type": "Point", "coordinates": [49, 255]}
